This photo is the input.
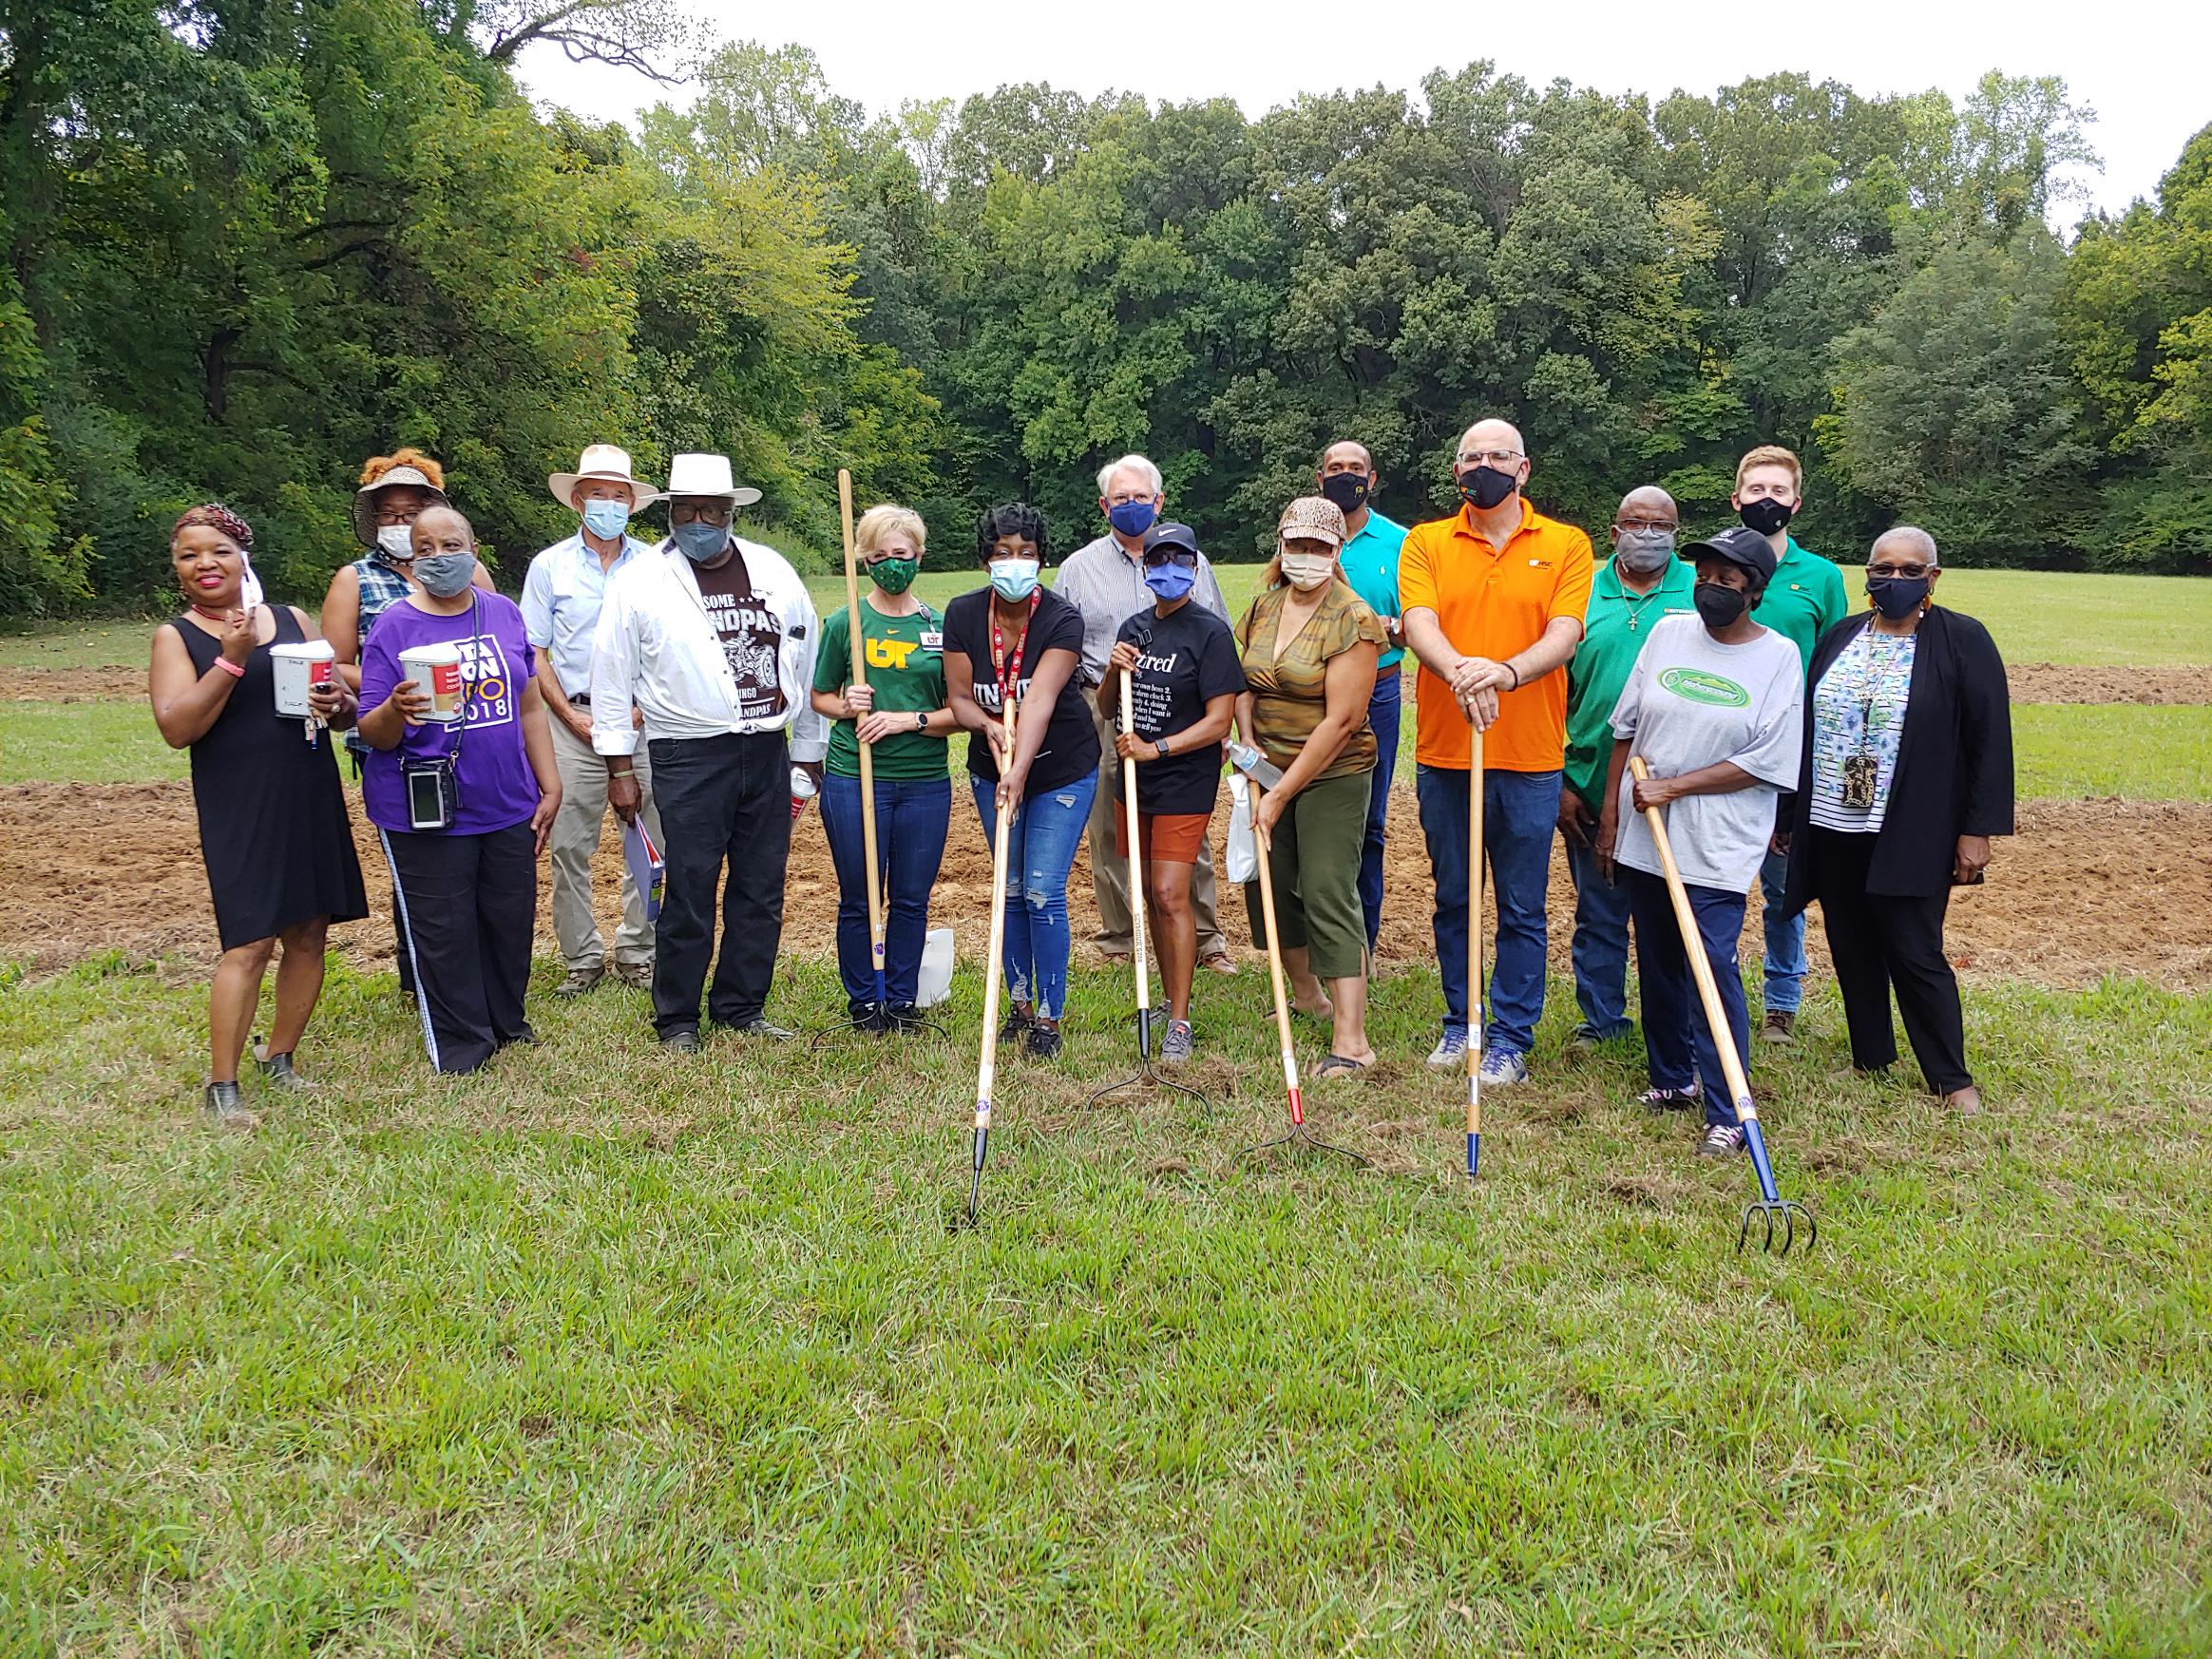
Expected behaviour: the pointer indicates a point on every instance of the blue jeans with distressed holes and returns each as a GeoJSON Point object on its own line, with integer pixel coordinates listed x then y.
{"type": "Point", "coordinates": [1040, 849]}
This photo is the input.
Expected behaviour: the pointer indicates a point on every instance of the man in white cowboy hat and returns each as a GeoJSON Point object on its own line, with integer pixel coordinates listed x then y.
{"type": "Point", "coordinates": [562, 598]}
{"type": "Point", "coordinates": [711, 639]}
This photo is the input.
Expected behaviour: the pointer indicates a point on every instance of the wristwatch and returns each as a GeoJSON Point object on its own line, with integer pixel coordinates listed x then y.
{"type": "Point", "coordinates": [921, 721]}
{"type": "Point", "coordinates": [1162, 747]}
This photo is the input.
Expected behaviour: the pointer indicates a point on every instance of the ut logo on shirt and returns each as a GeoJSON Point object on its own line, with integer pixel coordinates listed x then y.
{"type": "Point", "coordinates": [889, 653]}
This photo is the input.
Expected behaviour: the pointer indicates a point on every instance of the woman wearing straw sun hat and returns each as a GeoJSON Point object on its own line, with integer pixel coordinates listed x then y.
{"type": "Point", "coordinates": [561, 598]}
{"type": "Point", "coordinates": [273, 825]}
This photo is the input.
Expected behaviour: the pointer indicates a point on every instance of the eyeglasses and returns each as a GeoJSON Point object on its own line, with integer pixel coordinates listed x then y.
{"type": "Point", "coordinates": [1909, 572]}
{"type": "Point", "coordinates": [691, 512]}
{"type": "Point", "coordinates": [1500, 458]}
{"type": "Point", "coordinates": [1644, 524]}
{"type": "Point", "coordinates": [1156, 557]}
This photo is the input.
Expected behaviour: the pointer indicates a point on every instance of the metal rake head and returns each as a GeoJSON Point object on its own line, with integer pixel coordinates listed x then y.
{"type": "Point", "coordinates": [1789, 1210]}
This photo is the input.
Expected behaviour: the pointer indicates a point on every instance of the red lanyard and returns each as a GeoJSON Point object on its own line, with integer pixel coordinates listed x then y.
{"type": "Point", "coordinates": [1002, 659]}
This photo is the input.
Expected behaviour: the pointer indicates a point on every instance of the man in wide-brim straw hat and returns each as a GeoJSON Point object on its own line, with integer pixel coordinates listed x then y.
{"type": "Point", "coordinates": [562, 598]}
{"type": "Point", "coordinates": [711, 639]}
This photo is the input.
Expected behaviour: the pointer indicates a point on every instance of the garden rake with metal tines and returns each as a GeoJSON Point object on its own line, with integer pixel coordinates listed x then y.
{"type": "Point", "coordinates": [1770, 1203]}
{"type": "Point", "coordinates": [1146, 1071]}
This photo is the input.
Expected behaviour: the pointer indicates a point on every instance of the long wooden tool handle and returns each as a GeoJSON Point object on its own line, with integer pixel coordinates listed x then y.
{"type": "Point", "coordinates": [868, 820]}
{"type": "Point", "coordinates": [1135, 852]}
{"type": "Point", "coordinates": [1474, 883]}
{"type": "Point", "coordinates": [1275, 961]}
{"type": "Point", "coordinates": [987, 1062]}
{"type": "Point", "coordinates": [1700, 969]}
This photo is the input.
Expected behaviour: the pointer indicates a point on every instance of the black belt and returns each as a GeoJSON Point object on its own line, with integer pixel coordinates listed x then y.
{"type": "Point", "coordinates": [579, 702]}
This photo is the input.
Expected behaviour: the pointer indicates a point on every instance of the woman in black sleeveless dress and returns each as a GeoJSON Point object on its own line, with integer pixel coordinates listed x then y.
{"type": "Point", "coordinates": [273, 824]}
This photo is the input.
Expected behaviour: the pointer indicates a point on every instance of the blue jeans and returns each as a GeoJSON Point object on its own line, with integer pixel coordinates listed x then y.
{"type": "Point", "coordinates": [1601, 947]}
{"type": "Point", "coordinates": [1678, 1043]}
{"type": "Point", "coordinates": [1041, 847]}
{"type": "Point", "coordinates": [1785, 940]}
{"type": "Point", "coordinates": [912, 816]}
{"type": "Point", "coordinates": [1382, 714]}
{"type": "Point", "coordinates": [1520, 809]}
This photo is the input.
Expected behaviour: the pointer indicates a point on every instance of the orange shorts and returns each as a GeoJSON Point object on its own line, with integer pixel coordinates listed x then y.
{"type": "Point", "coordinates": [1168, 837]}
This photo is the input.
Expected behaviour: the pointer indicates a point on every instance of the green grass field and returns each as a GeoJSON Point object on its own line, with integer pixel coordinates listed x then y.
{"type": "Point", "coordinates": [602, 1352]}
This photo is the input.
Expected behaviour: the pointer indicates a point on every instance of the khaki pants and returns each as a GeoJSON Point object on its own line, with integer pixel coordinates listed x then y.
{"type": "Point", "coordinates": [576, 837]}
{"type": "Point", "coordinates": [1109, 872]}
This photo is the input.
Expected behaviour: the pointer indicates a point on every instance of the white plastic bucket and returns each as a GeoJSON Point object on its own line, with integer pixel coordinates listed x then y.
{"type": "Point", "coordinates": [296, 669]}
{"type": "Point", "coordinates": [436, 669]}
{"type": "Point", "coordinates": [936, 980]}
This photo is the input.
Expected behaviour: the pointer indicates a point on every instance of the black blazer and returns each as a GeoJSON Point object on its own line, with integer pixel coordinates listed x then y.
{"type": "Point", "coordinates": [1954, 764]}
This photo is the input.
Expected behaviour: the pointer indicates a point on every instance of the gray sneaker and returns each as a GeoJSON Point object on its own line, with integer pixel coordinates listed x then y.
{"type": "Point", "coordinates": [581, 982]}
{"type": "Point", "coordinates": [1502, 1068]}
{"type": "Point", "coordinates": [1779, 1026]}
{"type": "Point", "coordinates": [1450, 1054]}
{"type": "Point", "coordinates": [636, 974]}
{"type": "Point", "coordinates": [1176, 1046]}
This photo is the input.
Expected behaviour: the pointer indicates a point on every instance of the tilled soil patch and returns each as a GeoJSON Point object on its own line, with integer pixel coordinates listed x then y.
{"type": "Point", "coordinates": [2086, 889]}
{"type": "Point", "coordinates": [2059, 683]}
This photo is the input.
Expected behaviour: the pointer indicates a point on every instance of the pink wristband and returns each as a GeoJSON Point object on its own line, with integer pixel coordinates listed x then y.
{"type": "Point", "coordinates": [230, 668]}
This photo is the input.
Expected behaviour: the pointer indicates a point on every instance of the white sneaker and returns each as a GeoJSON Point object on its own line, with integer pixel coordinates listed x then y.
{"type": "Point", "coordinates": [1721, 1140]}
{"type": "Point", "coordinates": [1502, 1068]}
{"type": "Point", "coordinates": [1450, 1054]}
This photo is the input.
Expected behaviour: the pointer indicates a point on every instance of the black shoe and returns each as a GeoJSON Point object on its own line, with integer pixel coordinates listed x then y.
{"type": "Point", "coordinates": [278, 1068]}
{"type": "Point", "coordinates": [1045, 1041]}
{"type": "Point", "coordinates": [526, 1038]}
{"type": "Point", "coordinates": [871, 1017]}
{"type": "Point", "coordinates": [228, 1108]}
{"type": "Point", "coordinates": [903, 1019]}
{"type": "Point", "coordinates": [757, 1027]}
{"type": "Point", "coordinates": [1017, 1023]}
{"type": "Point", "coordinates": [681, 1042]}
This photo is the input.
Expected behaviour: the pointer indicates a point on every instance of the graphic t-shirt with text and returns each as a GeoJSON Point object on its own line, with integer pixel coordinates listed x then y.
{"type": "Point", "coordinates": [1184, 660]}
{"type": "Point", "coordinates": [752, 636]}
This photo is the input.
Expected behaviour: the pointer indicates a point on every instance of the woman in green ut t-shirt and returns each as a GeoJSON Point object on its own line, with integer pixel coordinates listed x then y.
{"type": "Point", "coordinates": [902, 713]}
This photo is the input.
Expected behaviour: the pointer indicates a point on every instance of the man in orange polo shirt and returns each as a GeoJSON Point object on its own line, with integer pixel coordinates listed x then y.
{"type": "Point", "coordinates": [1493, 601]}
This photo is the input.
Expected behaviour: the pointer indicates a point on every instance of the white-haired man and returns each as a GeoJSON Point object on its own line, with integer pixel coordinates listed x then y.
{"type": "Point", "coordinates": [1105, 581]}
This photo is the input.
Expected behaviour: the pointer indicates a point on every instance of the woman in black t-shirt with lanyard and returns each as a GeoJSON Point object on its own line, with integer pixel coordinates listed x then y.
{"type": "Point", "coordinates": [1014, 634]}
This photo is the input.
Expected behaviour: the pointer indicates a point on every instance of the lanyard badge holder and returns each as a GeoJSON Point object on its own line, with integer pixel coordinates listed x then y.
{"type": "Point", "coordinates": [433, 786]}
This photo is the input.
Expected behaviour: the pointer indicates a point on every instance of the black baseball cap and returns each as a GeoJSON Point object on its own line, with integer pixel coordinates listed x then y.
{"type": "Point", "coordinates": [1171, 534]}
{"type": "Point", "coordinates": [1740, 545]}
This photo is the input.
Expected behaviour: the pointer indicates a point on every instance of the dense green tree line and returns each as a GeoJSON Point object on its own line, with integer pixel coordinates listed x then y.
{"type": "Point", "coordinates": [249, 245]}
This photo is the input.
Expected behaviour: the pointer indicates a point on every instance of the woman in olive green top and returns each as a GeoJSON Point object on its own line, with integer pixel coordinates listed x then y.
{"type": "Point", "coordinates": [1309, 646]}
{"type": "Point", "coordinates": [902, 713]}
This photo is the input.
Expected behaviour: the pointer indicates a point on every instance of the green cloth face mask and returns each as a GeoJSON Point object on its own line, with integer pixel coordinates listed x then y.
{"type": "Point", "coordinates": [894, 575]}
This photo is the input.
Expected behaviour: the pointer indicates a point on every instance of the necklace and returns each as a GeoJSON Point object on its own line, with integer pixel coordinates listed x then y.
{"type": "Point", "coordinates": [222, 617]}
{"type": "Point", "coordinates": [1636, 611]}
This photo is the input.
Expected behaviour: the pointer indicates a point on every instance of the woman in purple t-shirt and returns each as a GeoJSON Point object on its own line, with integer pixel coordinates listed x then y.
{"type": "Point", "coordinates": [462, 807]}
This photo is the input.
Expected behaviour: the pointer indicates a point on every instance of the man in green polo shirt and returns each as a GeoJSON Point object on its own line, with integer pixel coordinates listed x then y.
{"type": "Point", "coordinates": [1369, 561]}
{"type": "Point", "coordinates": [1641, 582]}
{"type": "Point", "coordinates": [1804, 601]}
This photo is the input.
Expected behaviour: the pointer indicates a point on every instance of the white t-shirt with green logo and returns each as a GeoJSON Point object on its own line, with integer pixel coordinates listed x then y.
{"type": "Point", "coordinates": [1691, 702]}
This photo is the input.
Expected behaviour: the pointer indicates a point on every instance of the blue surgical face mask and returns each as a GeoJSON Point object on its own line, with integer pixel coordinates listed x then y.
{"type": "Point", "coordinates": [1170, 582]}
{"type": "Point", "coordinates": [606, 519]}
{"type": "Point", "coordinates": [698, 540]}
{"type": "Point", "coordinates": [1014, 579]}
{"type": "Point", "coordinates": [446, 575]}
{"type": "Point", "coordinates": [1131, 518]}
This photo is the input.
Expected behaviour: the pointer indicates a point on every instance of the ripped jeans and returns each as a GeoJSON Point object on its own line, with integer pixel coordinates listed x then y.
{"type": "Point", "coordinates": [1041, 847]}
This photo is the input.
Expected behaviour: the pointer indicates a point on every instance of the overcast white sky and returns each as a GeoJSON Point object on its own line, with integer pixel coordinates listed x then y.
{"type": "Point", "coordinates": [2142, 65]}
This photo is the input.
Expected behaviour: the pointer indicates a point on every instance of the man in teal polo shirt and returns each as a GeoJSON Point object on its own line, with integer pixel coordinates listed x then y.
{"type": "Point", "coordinates": [1804, 601]}
{"type": "Point", "coordinates": [1641, 582]}
{"type": "Point", "coordinates": [1369, 561]}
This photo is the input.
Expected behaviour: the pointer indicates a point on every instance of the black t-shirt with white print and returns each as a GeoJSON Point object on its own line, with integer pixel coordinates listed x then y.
{"type": "Point", "coordinates": [1071, 742]}
{"type": "Point", "coordinates": [752, 636]}
{"type": "Point", "coordinates": [1184, 660]}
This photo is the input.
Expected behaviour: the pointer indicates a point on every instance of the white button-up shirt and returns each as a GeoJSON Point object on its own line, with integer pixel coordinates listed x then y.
{"type": "Point", "coordinates": [657, 650]}
{"type": "Point", "coordinates": [561, 605]}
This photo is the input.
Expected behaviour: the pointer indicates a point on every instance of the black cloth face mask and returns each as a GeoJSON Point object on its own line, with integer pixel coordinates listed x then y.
{"type": "Point", "coordinates": [1897, 597]}
{"type": "Point", "coordinates": [1719, 606]}
{"type": "Point", "coordinates": [1765, 515]}
{"type": "Point", "coordinates": [1348, 490]}
{"type": "Point", "coordinates": [1485, 487]}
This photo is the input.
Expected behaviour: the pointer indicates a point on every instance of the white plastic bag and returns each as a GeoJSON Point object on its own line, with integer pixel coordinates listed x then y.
{"type": "Point", "coordinates": [936, 982]}
{"type": "Point", "coordinates": [1244, 852]}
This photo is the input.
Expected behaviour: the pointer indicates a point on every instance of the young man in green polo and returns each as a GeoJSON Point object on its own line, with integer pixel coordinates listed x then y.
{"type": "Point", "coordinates": [1641, 582]}
{"type": "Point", "coordinates": [1804, 601]}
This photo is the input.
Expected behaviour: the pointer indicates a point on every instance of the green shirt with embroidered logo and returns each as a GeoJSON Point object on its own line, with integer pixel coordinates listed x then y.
{"type": "Point", "coordinates": [906, 670]}
{"type": "Point", "coordinates": [1614, 631]}
{"type": "Point", "coordinates": [1804, 600]}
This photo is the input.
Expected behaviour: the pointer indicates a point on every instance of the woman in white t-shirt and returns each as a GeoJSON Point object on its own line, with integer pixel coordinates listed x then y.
{"type": "Point", "coordinates": [1714, 707]}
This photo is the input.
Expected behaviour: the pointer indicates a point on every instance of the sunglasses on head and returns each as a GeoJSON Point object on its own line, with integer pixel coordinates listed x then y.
{"type": "Point", "coordinates": [1156, 557]}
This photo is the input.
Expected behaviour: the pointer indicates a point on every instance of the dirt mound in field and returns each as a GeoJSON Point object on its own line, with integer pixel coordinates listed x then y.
{"type": "Point", "coordinates": [72, 685]}
{"type": "Point", "coordinates": [2058, 683]}
{"type": "Point", "coordinates": [2086, 888]}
